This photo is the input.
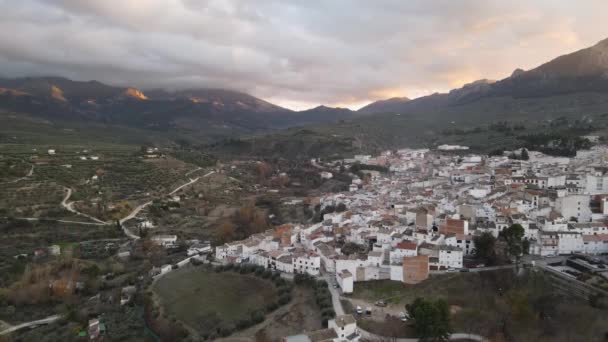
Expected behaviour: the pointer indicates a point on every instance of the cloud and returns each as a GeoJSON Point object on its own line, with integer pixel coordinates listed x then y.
{"type": "Point", "coordinates": [298, 53]}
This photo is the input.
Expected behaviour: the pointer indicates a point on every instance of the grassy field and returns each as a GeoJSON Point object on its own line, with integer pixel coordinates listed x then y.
{"type": "Point", "coordinates": [500, 305]}
{"type": "Point", "coordinates": [197, 296]}
{"type": "Point", "coordinates": [448, 286]}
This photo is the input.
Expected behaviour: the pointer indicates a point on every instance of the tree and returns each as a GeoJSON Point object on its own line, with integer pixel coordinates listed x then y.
{"type": "Point", "coordinates": [484, 247]}
{"type": "Point", "coordinates": [525, 245]}
{"type": "Point", "coordinates": [263, 171]}
{"type": "Point", "coordinates": [431, 319]}
{"type": "Point", "coordinates": [226, 232]}
{"type": "Point", "coordinates": [524, 154]}
{"type": "Point", "coordinates": [513, 236]}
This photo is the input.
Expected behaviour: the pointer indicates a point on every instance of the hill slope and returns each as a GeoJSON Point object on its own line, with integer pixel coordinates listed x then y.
{"type": "Point", "coordinates": [567, 96]}
{"type": "Point", "coordinates": [585, 70]}
{"type": "Point", "coordinates": [206, 114]}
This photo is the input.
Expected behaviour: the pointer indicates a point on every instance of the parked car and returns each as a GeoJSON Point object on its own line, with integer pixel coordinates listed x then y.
{"type": "Point", "coordinates": [335, 286]}
{"type": "Point", "coordinates": [464, 270]}
{"type": "Point", "coordinates": [368, 310]}
{"type": "Point", "coordinates": [359, 310]}
{"type": "Point", "coordinates": [403, 316]}
{"type": "Point", "coordinates": [451, 270]}
{"type": "Point", "coordinates": [380, 303]}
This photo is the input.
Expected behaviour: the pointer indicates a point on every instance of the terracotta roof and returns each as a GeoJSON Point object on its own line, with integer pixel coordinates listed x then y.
{"type": "Point", "coordinates": [407, 245]}
{"type": "Point", "coordinates": [595, 238]}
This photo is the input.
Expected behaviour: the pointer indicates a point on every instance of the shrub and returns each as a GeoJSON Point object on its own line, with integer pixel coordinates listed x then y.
{"type": "Point", "coordinates": [283, 290]}
{"type": "Point", "coordinates": [321, 284]}
{"type": "Point", "coordinates": [284, 298]}
{"type": "Point", "coordinates": [272, 306]}
{"type": "Point", "coordinates": [243, 323]}
{"type": "Point", "coordinates": [257, 317]}
{"type": "Point", "coordinates": [329, 312]}
{"type": "Point", "coordinates": [226, 329]}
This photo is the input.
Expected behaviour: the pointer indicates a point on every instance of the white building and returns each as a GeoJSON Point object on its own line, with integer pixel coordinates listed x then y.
{"type": "Point", "coordinates": [595, 244]}
{"type": "Point", "coordinates": [450, 257]}
{"type": "Point", "coordinates": [403, 249]}
{"type": "Point", "coordinates": [345, 327]}
{"type": "Point", "coordinates": [326, 175]}
{"type": "Point", "coordinates": [227, 250]}
{"type": "Point", "coordinates": [199, 248]}
{"type": "Point", "coordinates": [307, 262]}
{"type": "Point", "coordinates": [345, 281]}
{"type": "Point", "coordinates": [165, 240]}
{"type": "Point", "coordinates": [574, 206]}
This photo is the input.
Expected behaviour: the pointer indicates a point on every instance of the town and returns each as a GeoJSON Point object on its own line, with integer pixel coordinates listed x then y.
{"type": "Point", "coordinates": [417, 212]}
{"type": "Point", "coordinates": [297, 171]}
{"type": "Point", "coordinates": [407, 225]}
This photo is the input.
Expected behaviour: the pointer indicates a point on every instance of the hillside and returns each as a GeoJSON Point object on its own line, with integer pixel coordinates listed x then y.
{"type": "Point", "coordinates": [585, 70]}
{"type": "Point", "coordinates": [568, 95]}
{"type": "Point", "coordinates": [200, 114]}
{"type": "Point", "coordinates": [565, 97]}
{"type": "Point", "coordinates": [384, 106]}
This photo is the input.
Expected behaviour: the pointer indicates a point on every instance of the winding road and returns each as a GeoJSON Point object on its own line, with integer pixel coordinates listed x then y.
{"type": "Point", "coordinates": [70, 207]}
{"type": "Point", "coordinates": [193, 171]}
{"type": "Point", "coordinates": [62, 221]}
{"type": "Point", "coordinates": [29, 174]}
{"type": "Point", "coordinates": [47, 320]}
{"type": "Point", "coordinates": [143, 206]}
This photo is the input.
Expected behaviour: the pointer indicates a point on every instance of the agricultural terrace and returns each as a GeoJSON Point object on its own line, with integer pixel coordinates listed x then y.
{"type": "Point", "coordinates": [107, 180]}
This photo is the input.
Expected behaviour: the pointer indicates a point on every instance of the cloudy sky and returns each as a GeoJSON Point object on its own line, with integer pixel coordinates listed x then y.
{"type": "Point", "coordinates": [295, 53]}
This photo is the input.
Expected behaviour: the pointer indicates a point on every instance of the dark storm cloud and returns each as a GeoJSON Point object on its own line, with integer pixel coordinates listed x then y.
{"type": "Point", "coordinates": [297, 53]}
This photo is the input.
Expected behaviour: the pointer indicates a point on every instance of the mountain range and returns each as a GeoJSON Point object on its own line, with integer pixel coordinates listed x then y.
{"type": "Point", "coordinates": [216, 112]}
{"type": "Point", "coordinates": [582, 71]}
{"type": "Point", "coordinates": [573, 85]}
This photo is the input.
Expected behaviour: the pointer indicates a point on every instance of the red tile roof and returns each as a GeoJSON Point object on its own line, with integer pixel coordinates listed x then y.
{"type": "Point", "coordinates": [407, 245]}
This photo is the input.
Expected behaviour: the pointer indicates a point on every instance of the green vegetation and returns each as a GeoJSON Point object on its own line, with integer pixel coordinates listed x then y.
{"type": "Point", "coordinates": [322, 295]}
{"type": "Point", "coordinates": [561, 143]}
{"type": "Point", "coordinates": [218, 302]}
{"type": "Point", "coordinates": [194, 157]}
{"type": "Point", "coordinates": [431, 319]}
{"type": "Point", "coordinates": [485, 248]}
{"type": "Point", "coordinates": [24, 237]}
{"type": "Point", "coordinates": [514, 238]}
{"type": "Point", "coordinates": [500, 305]}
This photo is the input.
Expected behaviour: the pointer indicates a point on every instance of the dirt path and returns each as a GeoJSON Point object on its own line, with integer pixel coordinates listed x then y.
{"type": "Point", "coordinates": [141, 207]}
{"type": "Point", "coordinates": [192, 181]}
{"type": "Point", "coordinates": [47, 320]}
{"type": "Point", "coordinates": [193, 171]}
{"type": "Point", "coordinates": [70, 207]}
{"type": "Point", "coordinates": [28, 175]}
{"type": "Point", "coordinates": [62, 221]}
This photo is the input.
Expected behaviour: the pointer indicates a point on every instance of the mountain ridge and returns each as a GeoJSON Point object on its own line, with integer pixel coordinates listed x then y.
{"type": "Point", "coordinates": [585, 70]}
